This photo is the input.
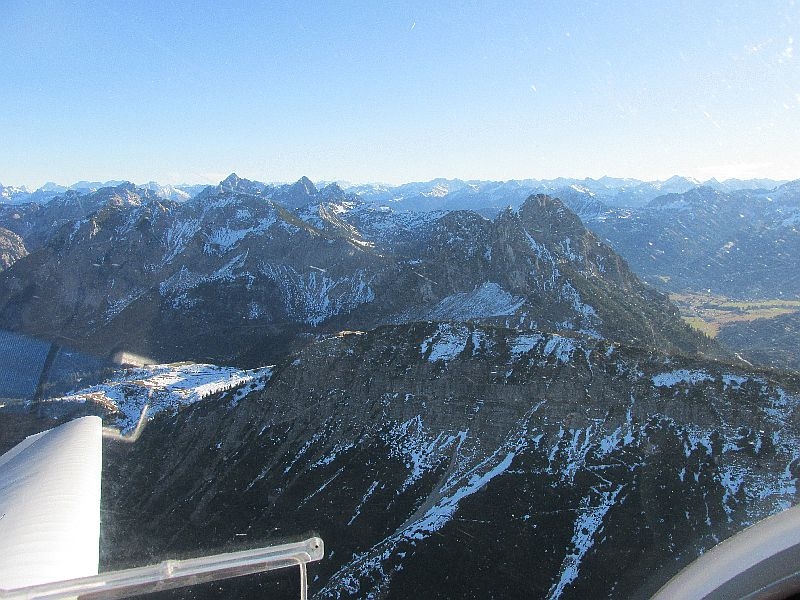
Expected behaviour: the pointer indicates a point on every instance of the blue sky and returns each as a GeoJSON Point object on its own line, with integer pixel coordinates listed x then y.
{"type": "Point", "coordinates": [188, 92]}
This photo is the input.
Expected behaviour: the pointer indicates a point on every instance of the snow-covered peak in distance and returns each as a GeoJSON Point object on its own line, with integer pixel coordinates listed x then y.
{"type": "Point", "coordinates": [676, 184]}
{"type": "Point", "coordinates": [582, 189]}
{"type": "Point", "coordinates": [732, 185]}
{"type": "Point", "coordinates": [231, 181]}
{"type": "Point", "coordinates": [695, 196]}
{"type": "Point", "coordinates": [8, 192]}
{"type": "Point", "coordinates": [490, 196]}
{"type": "Point", "coordinates": [168, 192]}
{"type": "Point", "coordinates": [236, 184]}
{"type": "Point", "coordinates": [362, 189]}
{"type": "Point", "coordinates": [438, 191]}
{"type": "Point", "coordinates": [615, 182]}
{"type": "Point", "coordinates": [789, 191]}
{"type": "Point", "coordinates": [91, 186]}
{"type": "Point", "coordinates": [51, 186]}
{"type": "Point", "coordinates": [50, 190]}
{"type": "Point", "coordinates": [332, 191]}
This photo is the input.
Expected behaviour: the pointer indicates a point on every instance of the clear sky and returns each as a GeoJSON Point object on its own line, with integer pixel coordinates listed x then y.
{"type": "Point", "coordinates": [373, 91]}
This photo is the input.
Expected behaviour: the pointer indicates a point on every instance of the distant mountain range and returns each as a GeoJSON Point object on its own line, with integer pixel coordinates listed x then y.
{"type": "Point", "coordinates": [742, 244]}
{"type": "Point", "coordinates": [21, 195]}
{"type": "Point", "coordinates": [677, 234]}
{"type": "Point", "coordinates": [489, 197]}
{"type": "Point", "coordinates": [446, 194]}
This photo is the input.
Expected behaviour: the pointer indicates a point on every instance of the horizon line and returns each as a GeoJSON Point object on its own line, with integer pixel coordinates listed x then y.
{"type": "Point", "coordinates": [211, 182]}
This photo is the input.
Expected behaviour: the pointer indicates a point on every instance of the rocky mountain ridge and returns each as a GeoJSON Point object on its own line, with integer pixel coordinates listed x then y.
{"type": "Point", "coordinates": [680, 218]}
{"type": "Point", "coordinates": [474, 461]}
{"type": "Point", "coordinates": [12, 248]}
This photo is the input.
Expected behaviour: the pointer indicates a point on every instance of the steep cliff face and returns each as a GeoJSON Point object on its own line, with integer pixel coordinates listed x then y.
{"type": "Point", "coordinates": [474, 461]}
{"type": "Point", "coordinates": [233, 274]}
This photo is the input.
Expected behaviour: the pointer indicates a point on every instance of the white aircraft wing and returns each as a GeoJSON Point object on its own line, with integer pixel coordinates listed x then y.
{"type": "Point", "coordinates": [50, 505]}
{"type": "Point", "coordinates": [50, 526]}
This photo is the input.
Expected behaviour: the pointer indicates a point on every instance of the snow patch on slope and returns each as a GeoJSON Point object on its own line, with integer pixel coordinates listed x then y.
{"type": "Point", "coordinates": [419, 451]}
{"type": "Point", "coordinates": [164, 387]}
{"type": "Point", "coordinates": [178, 236]}
{"type": "Point", "coordinates": [117, 306]}
{"type": "Point", "coordinates": [487, 300]}
{"type": "Point", "coordinates": [524, 343]}
{"type": "Point", "coordinates": [588, 524]}
{"type": "Point", "coordinates": [561, 348]}
{"type": "Point", "coordinates": [446, 343]}
{"type": "Point", "coordinates": [677, 376]}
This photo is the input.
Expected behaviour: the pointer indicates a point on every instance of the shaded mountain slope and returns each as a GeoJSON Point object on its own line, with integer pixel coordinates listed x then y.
{"type": "Point", "coordinates": [773, 342]}
{"type": "Point", "coordinates": [743, 244]}
{"type": "Point", "coordinates": [473, 461]}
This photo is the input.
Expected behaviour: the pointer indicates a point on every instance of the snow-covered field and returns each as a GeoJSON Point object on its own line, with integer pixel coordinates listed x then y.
{"type": "Point", "coordinates": [166, 386]}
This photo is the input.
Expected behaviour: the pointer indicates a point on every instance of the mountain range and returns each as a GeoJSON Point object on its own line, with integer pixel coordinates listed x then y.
{"type": "Point", "coordinates": [464, 389]}
{"type": "Point", "coordinates": [678, 234]}
{"type": "Point", "coordinates": [743, 244]}
{"type": "Point", "coordinates": [169, 280]}
{"type": "Point", "coordinates": [441, 194]}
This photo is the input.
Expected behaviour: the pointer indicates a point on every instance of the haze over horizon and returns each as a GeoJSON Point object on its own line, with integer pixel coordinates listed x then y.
{"type": "Point", "coordinates": [345, 183]}
{"type": "Point", "coordinates": [398, 94]}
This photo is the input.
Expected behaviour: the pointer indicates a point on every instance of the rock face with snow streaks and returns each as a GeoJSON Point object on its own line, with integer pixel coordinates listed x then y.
{"type": "Point", "coordinates": [469, 461]}
{"type": "Point", "coordinates": [12, 248]}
